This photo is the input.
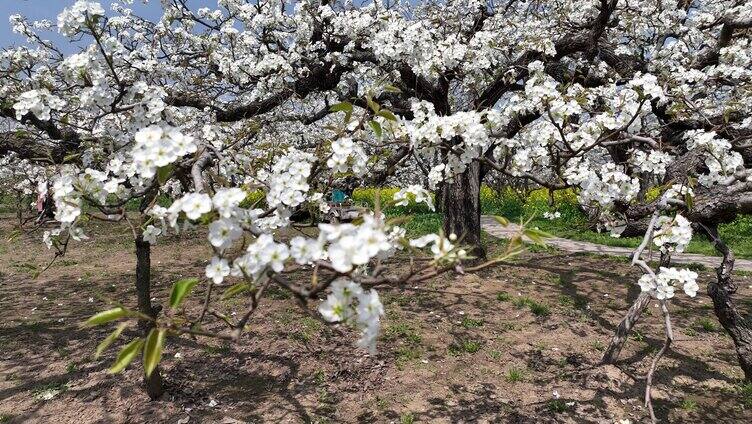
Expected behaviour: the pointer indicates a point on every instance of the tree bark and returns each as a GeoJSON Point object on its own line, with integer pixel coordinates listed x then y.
{"type": "Point", "coordinates": [625, 327]}
{"type": "Point", "coordinates": [721, 291]}
{"type": "Point", "coordinates": [153, 383]}
{"type": "Point", "coordinates": [611, 355]}
{"type": "Point", "coordinates": [461, 208]}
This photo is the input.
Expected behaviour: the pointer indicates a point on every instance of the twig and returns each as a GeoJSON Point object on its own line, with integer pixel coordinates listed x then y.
{"type": "Point", "coordinates": [664, 349]}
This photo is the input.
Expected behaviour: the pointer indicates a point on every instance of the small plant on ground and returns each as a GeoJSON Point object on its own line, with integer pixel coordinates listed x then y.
{"type": "Point", "coordinates": [745, 392]}
{"type": "Point", "coordinates": [557, 406]}
{"type": "Point", "coordinates": [468, 323]}
{"type": "Point", "coordinates": [465, 346]}
{"type": "Point", "coordinates": [503, 296]}
{"type": "Point", "coordinates": [706, 324]}
{"type": "Point", "coordinates": [538, 309]}
{"type": "Point", "coordinates": [407, 418]}
{"type": "Point", "coordinates": [514, 375]}
{"type": "Point", "coordinates": [691, 332]}
{"type": "Point", "coordinates": [407, 354]}
{"type": "Point", "coordinates": [688, 405]}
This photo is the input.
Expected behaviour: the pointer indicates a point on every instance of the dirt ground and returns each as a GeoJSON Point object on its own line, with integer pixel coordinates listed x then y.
{"type": "Point", "coordinates": [518, 343]}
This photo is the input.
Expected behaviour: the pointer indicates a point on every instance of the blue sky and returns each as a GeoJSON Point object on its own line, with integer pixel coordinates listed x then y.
{"type": "Point", "coordinates": [49, 9]}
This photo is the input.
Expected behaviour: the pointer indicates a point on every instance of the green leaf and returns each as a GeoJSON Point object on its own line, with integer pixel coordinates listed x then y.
{"type": "Point", "coordinates": [180, 289]}
{"type": "Point", "coordinates": [70, 157]}
{"type": "Point", "coordinates": [373, 105]}
{"type": "Point", "coordinates": [126, 355]}
{"type": "Point", "coordinates": [235, 289]}
{"type": "Point", "coordinates": [342, 107]}
{"type": "Point", "coordinates": [391, 89]}
{"type": "Point", "coordinates": [164, 173]}
{"type": "Point", "coordinates": [387, 115]}
{"type": "Point", "coordinates": [14, 235]}
{"type": "Point", "coordinates": [153, 349]}
{"type": "Point", "coordinates": [501, 220]}
{"type": "Point", "coordinates": [376, 127]}
{"type": "Point", "coordinates": [538, 232]}
{"type": "Point", "coordinates": [106, 316]}
{"type": "Point", "coordinates": [109, 340]}
{"type": "Point", "coordinates": [515, 243]}
{"type": "Point", "coordinates": [536, 235]}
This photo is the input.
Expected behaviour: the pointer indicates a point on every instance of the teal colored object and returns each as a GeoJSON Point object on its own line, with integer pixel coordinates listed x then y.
{"type": "Point", "coordinates": [338, 196]}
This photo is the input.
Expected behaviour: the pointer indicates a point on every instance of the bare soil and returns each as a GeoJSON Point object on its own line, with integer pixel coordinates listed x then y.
{"type": "Point", "coordinates": [457, 349]}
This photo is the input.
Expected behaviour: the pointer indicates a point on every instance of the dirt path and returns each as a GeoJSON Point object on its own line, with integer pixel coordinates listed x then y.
{"type": "Point", "coordinates": [495, 229]}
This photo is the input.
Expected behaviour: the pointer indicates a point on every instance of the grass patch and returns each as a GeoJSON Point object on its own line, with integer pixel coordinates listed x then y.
{"type": "Point", "coordinates": [407, 418]}
{"type": "Point", "coordinates": [465, 346]}
{"type": "Point", "coordinates": [277, 293]}
{"type": "Point", "coordinates": [407, 354]}
{"type": "Point", "coordinates": [706, 324]}
{"type": "Point", "coordinates": [737, 234]}
{"type": "Point", "coordinates": [495, 354]}
{"type": "Point", "coordinates": [745, 392]}
{"type": "Point", "coordinates": [688, 405]}
{"type": "Point", "coordinates": [691, 332]}
{"type": "Point", "coordinates": [469, 323]}
{"type": "Point", "coordinates": [503, 296]}
{"type": "Point", "coordinates": [637, 336]}
{"type": "Point", "coordinates": [557, 406]}
{"type": "Point", "coordinates": [422, 224]}
{"type": "Point", "coordinates": [410, 348]}
{"type": "Point", "coordinates": [573, 224]}
{"type": "Point", "coordinates": [537, 308]}
{"type": "Point", "coordinates": [402, 331]}
{"type": "Point", "coordinates": [514, 375]}
{"type": "Point", "coordinates": [309, 327]}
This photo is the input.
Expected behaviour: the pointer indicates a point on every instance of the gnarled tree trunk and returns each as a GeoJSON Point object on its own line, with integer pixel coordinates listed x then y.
{"type": "Point", "coordinates": [721, 291]}
{"type": "Point", "coordinates": [611, 355]}
{"type": "Point", "coordinates": [461, 208]}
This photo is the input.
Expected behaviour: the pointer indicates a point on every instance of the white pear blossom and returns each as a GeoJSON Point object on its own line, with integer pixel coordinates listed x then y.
{"type": "Point", "coordinates": [151, 233]}
{"type": "Point", "coordinates": [223, 232]}
{"type": "Point", "coordinates": [195, 204]}
{"type": "Point", "coordinates": [217, 270]}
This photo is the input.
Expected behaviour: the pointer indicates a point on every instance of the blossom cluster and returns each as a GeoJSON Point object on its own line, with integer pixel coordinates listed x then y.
{"type": "Point", "coordinates": [157, 146]}
{"type": "Point", "coordinates": [347, 154]}
{"type": "Point", "coordinates": [73, 18]}
{"type": "Point", "coordinates": [720, 160]}
{"type": "Point", "coordinates": [349, 302]}
{"type": "Point", "coordinates": [443, 249]}
{"type": "Point", "coordinates": [672, 234]}
{"type": "Point", "coordinates": [288, 181]}
{"type": "Point", "coordinates": [39, 102]}
{"type": "Point", "coordinates": [662, 285]}
{"type": "Point", "coordinates": [418, 193]}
